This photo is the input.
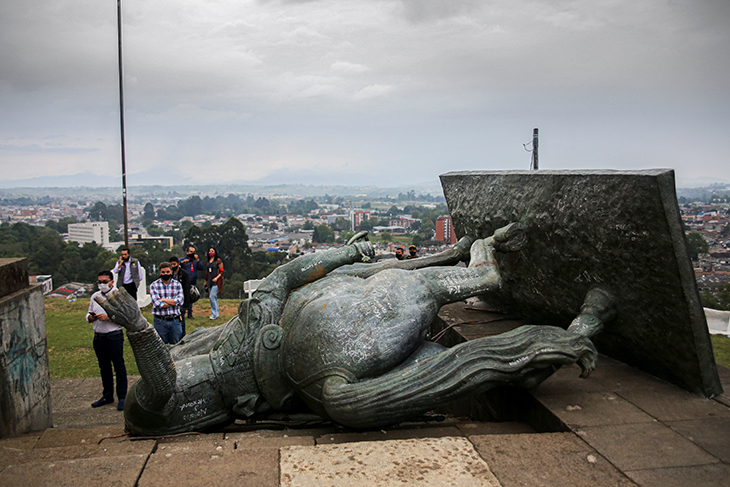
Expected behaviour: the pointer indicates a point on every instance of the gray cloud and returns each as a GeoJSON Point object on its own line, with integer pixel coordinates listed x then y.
{"type": "Point", "coordinates": [350, 87]}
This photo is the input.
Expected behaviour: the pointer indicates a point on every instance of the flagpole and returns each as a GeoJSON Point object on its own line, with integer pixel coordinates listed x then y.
{"type": "Point", "coordinates": [121, 121]}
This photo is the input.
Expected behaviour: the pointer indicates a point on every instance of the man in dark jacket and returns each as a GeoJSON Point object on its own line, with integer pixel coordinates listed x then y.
{"type": "Point", "coordinates": [191, 265]}
{"type": "Point", "coordinates": [183, 278]}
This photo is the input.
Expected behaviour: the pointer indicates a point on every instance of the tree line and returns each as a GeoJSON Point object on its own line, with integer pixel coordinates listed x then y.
{"type": "Point", "coordinates": [48, 253]}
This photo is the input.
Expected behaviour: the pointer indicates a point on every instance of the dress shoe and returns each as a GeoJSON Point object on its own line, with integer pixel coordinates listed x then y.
{"type": "Point", "coordinates": [101, 402]}
{"type": "Point", "coordinates": [120, 405]}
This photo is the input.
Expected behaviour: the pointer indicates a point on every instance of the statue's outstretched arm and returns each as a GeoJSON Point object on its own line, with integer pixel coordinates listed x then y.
{"type": "Point", "coordinates": [153, 359]}
{"type": "Point", "coordinates": [309, 268]}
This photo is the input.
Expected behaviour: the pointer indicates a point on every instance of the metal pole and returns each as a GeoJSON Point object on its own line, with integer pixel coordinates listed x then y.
{"type": "Point", "coordinates": [121, 121]}
{"type": "Point", "coordinates": [534, 150]}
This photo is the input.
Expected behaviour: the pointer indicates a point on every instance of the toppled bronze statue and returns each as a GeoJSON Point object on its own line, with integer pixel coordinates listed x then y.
{"type": "Point", "coordinates": [347, 342]}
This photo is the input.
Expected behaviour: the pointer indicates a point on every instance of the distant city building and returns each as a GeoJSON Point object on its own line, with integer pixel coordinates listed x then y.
{"type": "Point", "coordinates": [358, 216]}
{"type": "Point", "coordinates": [140, 239]}
{"type": "Point", "coordinates": [45, 279]}
{"type": "Point", "coordinates": [405, 221]}
{"type": "Point", "coordinates": [445, 230]}
{"type": "Point", "coordinates": [89, 232]}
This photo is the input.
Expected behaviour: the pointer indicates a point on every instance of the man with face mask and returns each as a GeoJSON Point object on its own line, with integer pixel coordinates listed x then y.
{"type": "Point", "coordinates": [183, 278]}
{"type": "Point", "coordinates": [167, 300]}
{"type": "Point", "coordinates": [191, 265]}
{"type": "Point", "coordinates": [108, 345]}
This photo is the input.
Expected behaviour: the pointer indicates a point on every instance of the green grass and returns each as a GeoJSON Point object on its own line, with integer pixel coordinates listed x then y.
{"type": "Point", "coordinates": [71, 354]}
{"type": "Point", "coordinates": [70, 349]}
{"type": "Point", "coordinates": [721, 347]}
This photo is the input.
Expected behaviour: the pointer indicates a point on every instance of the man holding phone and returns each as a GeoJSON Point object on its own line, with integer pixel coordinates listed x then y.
{"type": "Point", "coordinates": [108, 346]}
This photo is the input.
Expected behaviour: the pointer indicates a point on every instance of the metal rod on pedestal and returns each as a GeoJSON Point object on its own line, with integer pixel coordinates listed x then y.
{"type": "Point", "coordinates": [121, 121]}
{"type": "Point", "coordinates": [534, 165]}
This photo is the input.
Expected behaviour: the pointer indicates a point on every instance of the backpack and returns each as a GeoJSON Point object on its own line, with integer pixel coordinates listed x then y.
{"type": "Point", "coordinates": [194, 294]}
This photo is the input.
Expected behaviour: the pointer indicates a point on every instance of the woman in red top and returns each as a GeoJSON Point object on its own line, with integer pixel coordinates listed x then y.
{"type": "Point", "coordinates": [214, 280]}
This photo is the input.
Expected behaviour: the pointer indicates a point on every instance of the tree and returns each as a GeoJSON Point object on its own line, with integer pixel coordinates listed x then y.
{"type": "Point", "coordinates": [386, 236]}
{"type": "Point", "coordinates": [696, 244]}
{"type": "Point", "coordinates": [149, 211]}
{"type": "Point", "coordinates": [323, 234]}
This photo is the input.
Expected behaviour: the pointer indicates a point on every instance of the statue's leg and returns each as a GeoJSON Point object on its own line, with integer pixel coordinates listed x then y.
{"type": "Point", "coordinates": [525, 356]}
{"type": "Point", "coordinates": [451, 284]}
{"type": "Point", "coordinates": [449, 257]}
{"type": "Point", "coordinates": [468, 368]}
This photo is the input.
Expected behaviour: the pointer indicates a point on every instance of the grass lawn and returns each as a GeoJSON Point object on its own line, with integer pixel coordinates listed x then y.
{"type": "Point", "coordinates": [70, 349]}
{"type": "Point", "coordinates": [71, 353]}
{"type": "Point", "coordinates": [721, 347]}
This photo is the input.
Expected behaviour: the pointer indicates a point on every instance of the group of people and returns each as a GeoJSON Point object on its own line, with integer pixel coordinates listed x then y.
{"type": "Point", "coordinates": [412, 253]}
{"type": "Point", "coordinates": [171, 301]}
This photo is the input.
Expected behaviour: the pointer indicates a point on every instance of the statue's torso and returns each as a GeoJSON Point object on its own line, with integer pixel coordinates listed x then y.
{"type": "Point", "coordinates": [365, 327]}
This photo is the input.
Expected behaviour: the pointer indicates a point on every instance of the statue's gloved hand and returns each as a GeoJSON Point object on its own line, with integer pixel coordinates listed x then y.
{"type": "Point", "coordinates": [364, 247]}
{"type": "Point", "coordinates": [510, 238]}
{"type": "Point", "coordinates": [121, 308]}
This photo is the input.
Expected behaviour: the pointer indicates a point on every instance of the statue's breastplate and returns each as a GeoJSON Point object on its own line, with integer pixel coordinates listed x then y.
{"type": "Point", "coordinates": [232, 361]}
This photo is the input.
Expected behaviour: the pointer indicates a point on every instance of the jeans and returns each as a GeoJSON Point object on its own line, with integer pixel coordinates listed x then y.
{"type": "Point", "coordinates": [213, 295]}
{"type": "Point", "coordinates": [169, 331]}
{"type": "Point", "coordinates": [109, 349]}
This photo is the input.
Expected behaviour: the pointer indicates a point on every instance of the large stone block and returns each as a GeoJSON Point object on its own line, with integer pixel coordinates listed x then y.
{"type": "Point", "coordinates": [621, 229]}
{"type": "Point", "coordinates": [13, 275]}
{"type": "Point", "coordinates": [25, 388]}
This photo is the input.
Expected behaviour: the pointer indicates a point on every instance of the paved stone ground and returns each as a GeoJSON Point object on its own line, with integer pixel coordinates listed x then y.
{"type": "Point", "coordinates": [619, 427]}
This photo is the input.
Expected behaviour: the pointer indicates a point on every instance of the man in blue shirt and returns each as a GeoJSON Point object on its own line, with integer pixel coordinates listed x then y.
{"type": "Point", "coordinates": [167, 300]}
{"type": "Point", "coordinates": [191, 265]}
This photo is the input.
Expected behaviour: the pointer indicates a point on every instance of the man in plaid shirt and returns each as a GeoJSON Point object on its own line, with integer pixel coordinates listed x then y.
{"type": "Point", "coordinates": [167, 298]}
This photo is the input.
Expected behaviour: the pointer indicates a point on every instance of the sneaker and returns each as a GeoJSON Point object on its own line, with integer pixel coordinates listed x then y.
{"type": "Point", "coordinates": [120, 405]}
{"type": "Point", "coordinates": [101, 402]}
{"type": "Point", "coordinates": [213, 317]}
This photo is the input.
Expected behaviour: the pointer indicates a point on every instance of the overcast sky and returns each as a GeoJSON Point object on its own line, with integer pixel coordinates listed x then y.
{"type": "Point", "coordinates": [385, 92]}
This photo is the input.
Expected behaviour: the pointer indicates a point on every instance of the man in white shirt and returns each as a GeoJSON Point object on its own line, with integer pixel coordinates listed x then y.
{"type": "Point", "coordinates": [108, 345]}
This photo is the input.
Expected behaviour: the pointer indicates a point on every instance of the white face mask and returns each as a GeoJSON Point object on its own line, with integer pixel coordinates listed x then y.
{"type": "Point", "coordinates": [104, 288]}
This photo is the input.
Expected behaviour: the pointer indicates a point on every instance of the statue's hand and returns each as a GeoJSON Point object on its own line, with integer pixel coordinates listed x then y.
{"type": "Point", "coordinates": [510, 238]}
{"type": "Point", "coordinates": [364, 247]}
{"type": "Point", "coordinates": [123, 310]}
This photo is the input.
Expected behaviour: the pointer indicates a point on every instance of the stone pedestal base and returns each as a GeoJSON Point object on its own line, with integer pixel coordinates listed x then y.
{"type": "Point", "coordinates": [25, 391]}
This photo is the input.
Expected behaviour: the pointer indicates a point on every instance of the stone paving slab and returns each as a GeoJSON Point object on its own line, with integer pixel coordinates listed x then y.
{"type": "Point", "coordinates": [25, 441]}
{"type": "Point", "coordinates": [712, 435]}
{"type": "Point", "coordinates": [644, 445]}
{"type": "Point", "coordinates": [382, 435]}
{"type": "Point", "coordinates": [56, 454]}
{"type": "Point", "coordinates": [618, 377]}
{"type": "Point", "coordinates": [594, 408]}
{"type": "Point", "coordinates": [505, 428]}
{"type": "Point", "coordinates": [72, 407]}
{"type": "Point", "coordinates": [54, 437]}
{"type": "Point", "coordinates": [242, 468]}
{"type": "Point", "coordinates": [422, 462]}
{"type": "Point", "coordinates": [547, 460]}
{"type": "Point", "coordinates": [673, 404]}
{"type": "Point", "coordinates": [714, 475]}
{"type": "Point", "coordinates": [567, 380]}
{"type": "Point", "coordinates": [121, 471]}
{"type": "Point", "coordinates": [204, 445]}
